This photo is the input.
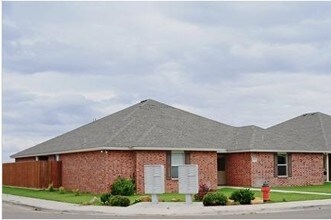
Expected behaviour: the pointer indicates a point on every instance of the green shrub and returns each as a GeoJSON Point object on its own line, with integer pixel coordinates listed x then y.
{"type": "Point", "coordinates": [119, 201]}
{"type": "Point", "coordinates": [235, 195]}
{"type": "Point", "coordinates": [123, 187]}
{"type": "Point", "coordinates": [104, 198]}
{"type": "Point", "coordinates": [62, 190]}
{"type": "Point", "coordinates": [243, 196]}
{"type": "Point", "coordinates": [214, 198]}
{"type": "Point", "coordinates": [76, 192]}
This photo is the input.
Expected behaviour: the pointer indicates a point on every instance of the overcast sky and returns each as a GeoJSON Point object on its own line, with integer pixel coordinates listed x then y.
{"type": "Point", "coordinates": [66, 63]}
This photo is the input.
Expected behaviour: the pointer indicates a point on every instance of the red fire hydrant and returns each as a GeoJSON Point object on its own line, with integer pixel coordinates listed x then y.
{"type": "Point", "coordinates": [265, 192]}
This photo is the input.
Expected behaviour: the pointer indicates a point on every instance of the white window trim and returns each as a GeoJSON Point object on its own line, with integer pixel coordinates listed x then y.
{"type": "Point", "coordinates": [286, 165]}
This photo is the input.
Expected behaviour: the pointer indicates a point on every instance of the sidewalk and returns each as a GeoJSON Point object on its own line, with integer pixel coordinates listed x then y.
{"type": "Point", "coordinates": [164, 208]}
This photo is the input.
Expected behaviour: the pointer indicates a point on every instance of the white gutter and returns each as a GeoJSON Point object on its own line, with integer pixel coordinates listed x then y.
{"type": "Point", "coordinates": [218, 150]}
{"type": "Point", "coordinates": [290, 151]}
{"type": "Point", "coordinates": [116, 148]}
{"type": "Point", "coordinates": [173, 148]}
{"type": "Point", "coordinates": [72, 151]}
{"type": "Point", "coordinates": [221, 151]}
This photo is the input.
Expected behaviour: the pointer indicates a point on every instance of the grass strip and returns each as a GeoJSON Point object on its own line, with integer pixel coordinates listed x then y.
{"type": "Point", "coordinates": [69, 197]}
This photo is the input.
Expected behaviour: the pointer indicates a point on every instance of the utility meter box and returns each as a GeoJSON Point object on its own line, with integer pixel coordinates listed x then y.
{"type": "Point", "coordinates": [154, 179]}
{"type": "Point", "coordinates": [188, 179]}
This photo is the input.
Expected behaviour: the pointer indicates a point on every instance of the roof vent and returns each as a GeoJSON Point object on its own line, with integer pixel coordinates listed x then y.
{"type": "Point", "coordinates": [143, 101]}
{"type": "Point", "coordinates": [304, 115]}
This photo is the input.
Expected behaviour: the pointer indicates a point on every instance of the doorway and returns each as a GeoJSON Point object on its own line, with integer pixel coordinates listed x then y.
{"type": "Point", "coordinates": [221, 177]}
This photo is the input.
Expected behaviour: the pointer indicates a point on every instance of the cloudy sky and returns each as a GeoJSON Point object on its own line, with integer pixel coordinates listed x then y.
{"type": "Point", "coordinates": [66, 63]}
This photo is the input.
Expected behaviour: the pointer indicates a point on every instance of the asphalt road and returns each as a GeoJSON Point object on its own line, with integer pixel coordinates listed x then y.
{"type": "Point", "coordinates": [12, 211]}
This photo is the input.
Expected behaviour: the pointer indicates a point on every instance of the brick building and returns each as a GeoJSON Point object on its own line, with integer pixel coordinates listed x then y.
{"type": "Point", "coordinates": [295, 152]}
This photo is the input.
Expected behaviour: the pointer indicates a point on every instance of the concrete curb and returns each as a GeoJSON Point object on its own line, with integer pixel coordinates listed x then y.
{"type": "Point", "coordinates": [164, 208]}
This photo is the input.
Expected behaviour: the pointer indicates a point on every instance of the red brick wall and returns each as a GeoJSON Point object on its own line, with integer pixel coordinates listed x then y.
{"type": "Point", "coordinates": [238, 169]}
{"type": "Point", "coordinates": [307, 169]}
{"type": "Point", "coordinates": [122, 163]}
{"type": "Point", "coordinates": [151, 158]}
{"type": "Point", "coordinates": [263, 168]}
{"type": "Point", "coordinates": [95, 171]}
{"type": "Point", "coordinates": [85, 171]}
{"type": "Point", "coordinates": [23, 159]}
{"type": "Point", "coordinates": [207, 163]}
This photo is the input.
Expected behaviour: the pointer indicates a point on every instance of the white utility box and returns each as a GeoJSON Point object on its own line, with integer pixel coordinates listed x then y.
{"type": "Point", "coordinates": [188, 181]}
{"type": "Point", "coordinates": [154, 180]}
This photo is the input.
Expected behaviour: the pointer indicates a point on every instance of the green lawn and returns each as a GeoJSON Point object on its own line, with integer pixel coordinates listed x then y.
{"type": "Point", "coordinates": [167, 197]}
{"type": "Point", "coordinates": [55, 196]}
{"type": "Point", "coordinates": [326, 188]}
{"type": "Point", "coordinates": [71, 198]}
{"type": "Point", "coordinates": [281, 197]}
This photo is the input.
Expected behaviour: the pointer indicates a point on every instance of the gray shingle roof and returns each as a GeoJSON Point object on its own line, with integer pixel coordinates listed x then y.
{"type": "Point", "coordinates": [154, 125]}
{"type": "Point", "coordinates": [312, 129]}
{"type": "Point", "coordinates": [253, 138]}
{"type": "Point", "coordinates": [149, 124]}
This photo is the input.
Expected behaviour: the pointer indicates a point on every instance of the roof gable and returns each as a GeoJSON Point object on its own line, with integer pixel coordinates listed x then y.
{"type": "Point", "coordinates": [312, 129]}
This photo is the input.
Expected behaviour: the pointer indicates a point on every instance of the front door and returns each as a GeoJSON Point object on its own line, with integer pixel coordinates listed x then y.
{"type": "Point", "coordinates": [221, 178]}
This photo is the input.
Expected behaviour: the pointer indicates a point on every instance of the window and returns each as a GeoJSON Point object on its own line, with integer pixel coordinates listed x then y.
{"type": "Point", "coordinates": [177, 158]}
{"type": "Point", "coordinates": [282, 164]}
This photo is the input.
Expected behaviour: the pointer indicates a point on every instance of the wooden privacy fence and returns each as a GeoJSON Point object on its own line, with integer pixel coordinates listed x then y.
{"type": "Point", "coordinates": [33, 174]}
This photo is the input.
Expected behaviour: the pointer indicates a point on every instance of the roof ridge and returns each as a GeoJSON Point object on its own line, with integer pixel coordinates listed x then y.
{"type": "Point", "coordinates": [194, 114]}
{"type": "Point", "coordinates": [323, 129]}
{"type": "Point", "coordinates": [137, 109]}
{"type": "Point", "coordinates": [290, 119]}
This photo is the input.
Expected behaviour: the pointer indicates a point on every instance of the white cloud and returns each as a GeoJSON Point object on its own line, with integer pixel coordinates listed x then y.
{"type": "Point", "coordinates": [66, 63]}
